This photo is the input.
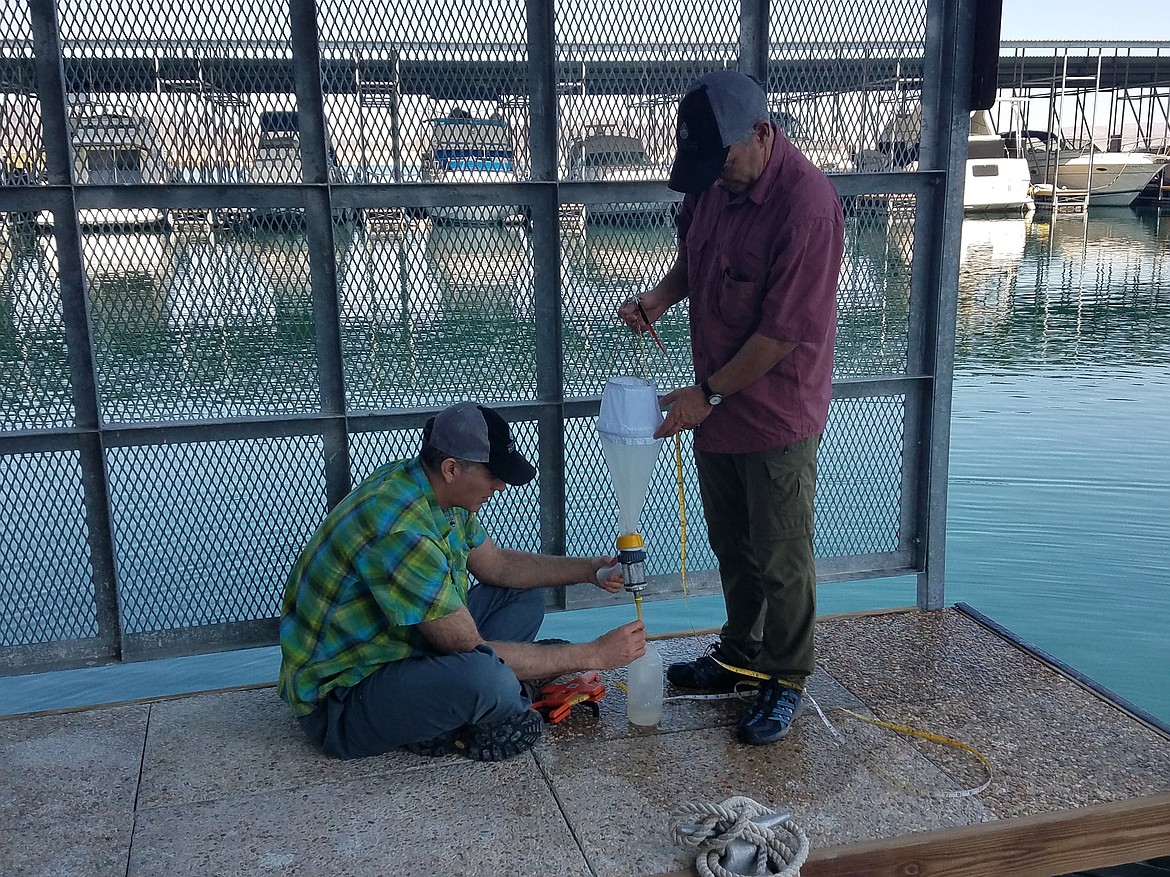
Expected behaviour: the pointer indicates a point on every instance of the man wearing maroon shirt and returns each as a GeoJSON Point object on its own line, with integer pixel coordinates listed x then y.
{"type": "Point", "coordinates": [761, 238]}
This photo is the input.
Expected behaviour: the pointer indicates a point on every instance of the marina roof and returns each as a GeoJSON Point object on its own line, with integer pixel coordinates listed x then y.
{"type": "Point", "coordinates": [487, 71]}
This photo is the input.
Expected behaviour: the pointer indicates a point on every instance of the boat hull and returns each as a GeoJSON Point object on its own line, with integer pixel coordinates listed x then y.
{"type": "Point", "coordinates": [1111, 179]}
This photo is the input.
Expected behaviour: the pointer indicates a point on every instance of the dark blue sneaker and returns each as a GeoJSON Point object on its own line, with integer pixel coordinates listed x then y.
{"type": "Point", "coordinates": [770, 717]}
{"type": "Point", "coordinates": [705, 674]}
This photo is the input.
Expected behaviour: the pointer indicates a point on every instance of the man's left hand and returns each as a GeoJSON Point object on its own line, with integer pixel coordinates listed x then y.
{"type": "Point", "coordinates": [608, 574]}
{"type": "Point", "coordinates": [688, 408]}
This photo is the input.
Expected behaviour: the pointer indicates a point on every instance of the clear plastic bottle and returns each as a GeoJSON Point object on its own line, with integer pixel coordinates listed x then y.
{"type": "Point", "coordinates": [644, 701]}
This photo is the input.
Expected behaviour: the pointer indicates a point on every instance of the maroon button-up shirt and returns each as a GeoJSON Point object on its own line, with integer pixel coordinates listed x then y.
{"type": "Point", "coordinates": [766, 260]}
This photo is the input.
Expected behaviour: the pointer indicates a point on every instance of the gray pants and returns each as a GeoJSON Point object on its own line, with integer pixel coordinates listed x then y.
{"type": "Point", "coordinates": [759, 510]}
{"type": "Point", "coordinates": [419, 698]}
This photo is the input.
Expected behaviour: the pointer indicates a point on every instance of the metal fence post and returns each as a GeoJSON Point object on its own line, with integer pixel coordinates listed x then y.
{"type": "Point", "coordinates": [753, 39]}
{"type": "Point", "coordinates": [546, 250]}
{"type": "Point", "coordinates": [75, 312]}
{"type": "Point", "coordinates": [314, 140]}
{"type": "Point", "coordinates": [938, 224]}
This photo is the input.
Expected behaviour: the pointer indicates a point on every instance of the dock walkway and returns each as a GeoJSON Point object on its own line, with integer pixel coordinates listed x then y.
{"type": "Point", "coordinates": [223, 783]}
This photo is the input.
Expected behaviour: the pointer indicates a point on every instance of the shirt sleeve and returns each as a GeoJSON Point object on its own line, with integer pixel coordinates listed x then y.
{"type": "Point", "coordinates": [411, 579]}
{"type": "Point", "coordinates": [802, 282]}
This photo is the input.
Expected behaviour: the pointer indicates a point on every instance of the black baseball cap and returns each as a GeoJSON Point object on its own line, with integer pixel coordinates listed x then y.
{"type": "Point", "coordinates": [479, 434]}
{"type": "Point", "coordinates": [718, 109]}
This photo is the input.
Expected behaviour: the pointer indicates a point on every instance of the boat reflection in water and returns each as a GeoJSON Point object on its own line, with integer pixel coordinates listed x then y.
{"type": "Point", "coordinates": [481, 271]}
{"type": "Point", "coordinates": [125, 275]}
{"type": "Point", "coordinates": [603, 265]}
{"type": "Point", "coordinates": [989, 270]}
{"type": "Point", "coordinates": [31, 294]}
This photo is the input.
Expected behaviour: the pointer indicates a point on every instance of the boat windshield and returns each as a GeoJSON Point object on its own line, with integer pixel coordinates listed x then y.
{"type": "Point", "coordinates": [454, 160]}
{"type": "Point", "coordinates": [618, 157]}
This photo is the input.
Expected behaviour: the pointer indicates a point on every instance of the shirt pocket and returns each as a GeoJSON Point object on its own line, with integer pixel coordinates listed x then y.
{"type": "Point", "coordinates": [738, 302]}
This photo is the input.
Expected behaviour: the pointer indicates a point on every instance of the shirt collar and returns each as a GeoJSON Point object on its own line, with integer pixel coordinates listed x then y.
{"type": "Point", "coordinates": [443, 518]}
{"type": "Point", "coordinates": [761, 189]}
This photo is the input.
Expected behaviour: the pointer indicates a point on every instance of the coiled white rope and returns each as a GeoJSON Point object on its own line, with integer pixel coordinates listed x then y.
{"type": "Point", "coordinates": [710, 828]}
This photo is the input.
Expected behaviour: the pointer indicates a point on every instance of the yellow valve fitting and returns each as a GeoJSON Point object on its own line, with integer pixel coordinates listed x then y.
{"type": "Point", "coordinates": [629, 541]}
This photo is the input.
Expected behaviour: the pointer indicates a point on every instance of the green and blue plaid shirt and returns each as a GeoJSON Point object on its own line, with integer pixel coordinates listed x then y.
{"type": "Point", "coordinates": [386, 558]}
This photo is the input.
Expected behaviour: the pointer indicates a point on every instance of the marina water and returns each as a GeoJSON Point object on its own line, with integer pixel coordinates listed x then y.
{"type": "Point", "coordinates": [1059, 486]}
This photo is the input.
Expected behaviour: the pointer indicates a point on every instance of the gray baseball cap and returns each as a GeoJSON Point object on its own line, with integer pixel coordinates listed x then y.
{"type": "Point", "coordinates": [718, 109]}
{"type": "Point", "coordinates": [479, 434]}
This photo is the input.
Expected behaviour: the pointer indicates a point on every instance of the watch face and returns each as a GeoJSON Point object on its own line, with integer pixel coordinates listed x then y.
{"type": "Point", "coordinates": [714, 399]}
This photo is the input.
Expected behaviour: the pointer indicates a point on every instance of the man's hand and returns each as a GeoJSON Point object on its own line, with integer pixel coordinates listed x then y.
{"type": "Point", "coordinates": [620, 646]}
{"type": "Point", "coordinates": [607, 574]}
{"type": "Point", "coordinates": [688, 408]}
{"type": "Point", "coordinates": [641, 311]}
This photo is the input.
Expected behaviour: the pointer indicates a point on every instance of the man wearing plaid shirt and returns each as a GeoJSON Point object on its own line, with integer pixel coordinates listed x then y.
{"type": "Point", "coordinates": [384, 642]}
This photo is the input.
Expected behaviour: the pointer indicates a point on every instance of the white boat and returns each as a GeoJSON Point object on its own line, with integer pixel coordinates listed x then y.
{"type": "Point", "coordinates": [114, 146]}
{"type": "Point", "coordinates": [605, 157]}
{"type": "Point", "coordinates": [278, 160]}
{"type": "Point", "coordinates": [994, 181]}
{"type": "Point", "coordinates": [468, 149]}
{"type": "Point", "coordinates": [1111, 178]}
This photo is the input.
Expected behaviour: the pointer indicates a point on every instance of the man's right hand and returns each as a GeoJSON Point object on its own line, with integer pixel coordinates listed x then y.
{"type": "Point", "coordinates": [621, 645]}
{"type": "Point", "coordinates": [652, 307]}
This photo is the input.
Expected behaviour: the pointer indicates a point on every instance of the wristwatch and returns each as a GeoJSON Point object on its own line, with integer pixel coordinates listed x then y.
{"type": "Point", "coordinates": [713, 398]}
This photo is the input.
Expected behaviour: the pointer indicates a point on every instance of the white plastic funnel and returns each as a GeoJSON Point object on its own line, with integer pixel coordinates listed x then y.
{"type": "Point", "coordinates": [629, 415]}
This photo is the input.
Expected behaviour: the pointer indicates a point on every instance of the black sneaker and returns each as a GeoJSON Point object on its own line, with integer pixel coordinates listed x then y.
{"type": "Point", "coordinates": [770, 717]}
{"type": "Point", "coordinates": [503, 740]}
{"type": "Point", "coordinates": [705, 674]}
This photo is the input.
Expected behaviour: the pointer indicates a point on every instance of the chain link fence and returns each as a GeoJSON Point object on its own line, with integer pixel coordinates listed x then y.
{"type": "Point", "coordinates": [243, 258]}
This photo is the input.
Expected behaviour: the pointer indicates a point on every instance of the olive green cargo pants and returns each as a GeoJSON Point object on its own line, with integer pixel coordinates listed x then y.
{"type": "Point", "coordinates": [759, 510]}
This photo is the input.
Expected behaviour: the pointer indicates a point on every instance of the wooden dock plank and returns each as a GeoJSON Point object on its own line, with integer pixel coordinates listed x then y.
{"type": "Point", "coordinates": [1031, 846]}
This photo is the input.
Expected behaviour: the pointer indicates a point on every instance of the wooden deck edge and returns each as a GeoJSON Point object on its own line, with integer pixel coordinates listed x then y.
{"type": "Point", "coordinates": [1089, 684]}
{"type": "Point", "coordinates": [1030, 846]}
{"type": "Point", "coordinates": [1044, 845]}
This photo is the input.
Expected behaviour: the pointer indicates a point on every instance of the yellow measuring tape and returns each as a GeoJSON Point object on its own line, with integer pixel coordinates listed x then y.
{"type": "Point", "coordinates": [908, 731]}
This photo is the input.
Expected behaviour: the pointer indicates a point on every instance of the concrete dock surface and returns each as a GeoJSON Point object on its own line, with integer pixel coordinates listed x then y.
{"type": "Point", "coordinates": [224, 783]}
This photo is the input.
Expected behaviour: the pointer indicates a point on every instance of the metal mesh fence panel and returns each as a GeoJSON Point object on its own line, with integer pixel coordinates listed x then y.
{"type": "Point", "coordinates": [192, 325]}
{"type": "Point", "coordinates": [603, 264]}
{"type": "Point", "coordinates": [157, 94]}
{"type": "Point", "coordinates": [244, 341]}
{"type": "Point", "coordinates": [45, 591]}
{"type": "Point", "coordinates": [433, 314]}
{"type": "Point", "coordinates": [434, 92]}
{"type": "Point", "coordinates": [35, 391]}
{"type": "Point", "coordinates": [873, 294]}
{"type": "Point", "coordinates": [858, 490]}
{"type": "Point", "coordinates": [859, 478]}
{"type": "Point", "coordinates": [207, 532]}
{"type": "Point", "coordinates": [621, 70]}
{"type": "Point", "coordinates": [845, 80]}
